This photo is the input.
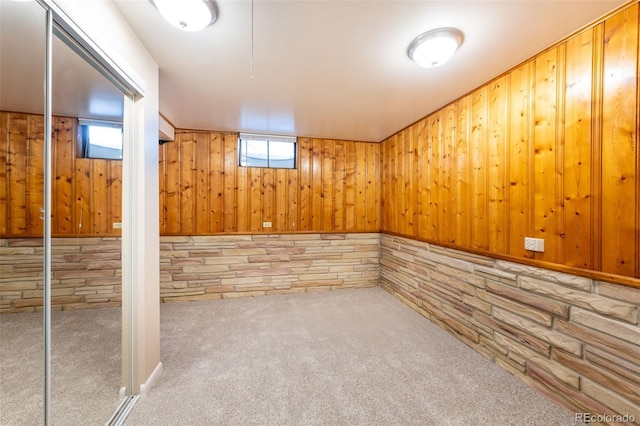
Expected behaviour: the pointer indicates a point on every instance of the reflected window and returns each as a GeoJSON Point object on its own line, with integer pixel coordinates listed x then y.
{"type": "Point", "coordinates": [100, 139]}
{"type": "Point", "coordinates": [277, 152]}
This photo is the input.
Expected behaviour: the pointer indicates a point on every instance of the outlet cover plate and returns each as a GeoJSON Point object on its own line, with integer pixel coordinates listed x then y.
{"type": "Point", "coordinates": [534, 244]}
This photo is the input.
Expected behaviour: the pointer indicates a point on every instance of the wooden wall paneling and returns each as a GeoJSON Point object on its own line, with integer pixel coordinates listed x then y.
{"type": "Point", "coordinates": [328, 185]}
{"type": "Point", "coordinates": [448, 195]}
{"type": "Point", "coordinates": [68, 201]}
{"type": "Point", "coordinates": [392, 184]}
{"type": "Point", "coordinates": [462, 181]}
{"type": "Point", "coordinates": [99, 196]}
{"type": "Point", "coordinates": [83, 206]}
{"type": "Point", "coordinates": [35, 175]}
{"type": "Point", "coordinates": [316, 185]}
{"type": "Point", "coordinates": [350, 187]}
{"type": "Point", "coordinates": [435, 182]}
{"type": "Point", "coordinates": [339, 194]}
{"type": "Point", "coordinates": [424, 175]}
{"type": "Point", "coordinates": [559, 174]}
{"type": "Point", "coordinates": [577, 150]}
{"type": "Point", "coordinates": [187, 183]}
{"type": "Point", "coordinates": [230, 169]}
{"type": "Point", "coordinates": [479, 229]}
{"type": "Point", "coordinates": [4, 182]}
{"type": "Point", "coordinates": [596, 147]}
{"type": "Point", "coordinates": [404, 178]}
{"type": "Point", "coordinates": [268, 198]}
{"type": "Point", "coordinates": [17, 174]}
{"type": "Point", "coordinates": [242, 199]}
{"type": "Point", "coordinates": [373, 187]}
{"type": "Point", "coordinates": [162, 186]}
{"type": "Point", "coordinates": [172, 179]}
{"type": "Point", "coordinates": [519, 146]}
{"type": "Point", "coordinates": [384, 174]}
{"type": "Point", "coordinates": [361, 186]}
{"type": "Point", "coordinates": [638, 159]}
{"type": "Point", "coordinates": [202, 183]}
{"type": "Point", "coordinates": [304, 195]}
{"type": "Point", "coordinates": [497, 164]}
{"type": "Point", "coordinates": [281, 201]}
{"type": "Point", "coordinates": [216, 151]}
{"type": "Point", "coordinates": [114, 185]}
{"type": "Point", "coordinates": [415, 178]}
{"type": "Point", "coordinates": [375, 176]}
{"type": "Point", "coordinates": [620, 143]}
{"type": "Point", "coordinates": [412, 170]}
{"type": "Point", "coordinates": [293, 220]}
{"type": "Point", "coordinates": [398, 180]}
{"type": "Point", "coordinates": [545, 146]}
{"type": "Point", "coordinates": [255, 199]}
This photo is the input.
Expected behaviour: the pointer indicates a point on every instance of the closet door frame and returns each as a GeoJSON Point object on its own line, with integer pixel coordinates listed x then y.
{"type": "Point", "coordinates": [133, 88]}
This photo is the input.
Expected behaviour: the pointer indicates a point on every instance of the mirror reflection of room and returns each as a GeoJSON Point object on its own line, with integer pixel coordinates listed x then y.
{"type": "Point", "coordinates": [86, 194]}
{"type": "Point", "coordinates": [22, 73]}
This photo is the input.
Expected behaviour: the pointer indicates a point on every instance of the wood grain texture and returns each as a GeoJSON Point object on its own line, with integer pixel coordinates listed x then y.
{"type": "Point", "coordinates": [620, 143]}
{"type": "Point", "coordinates": [520, 125]}
{"type": "Point", "coordinates": [86, 193]}
{"type": "Point", "coordinates": [497, 165]}
{"type": "Point", "coordinates": [334, 188]}
{"type": "Point", "coordinates": [548, 149]}
{"type": "Point", "coordinates": [478, 157]}
{"type": "Point", "coordinates": [577, 151]}
{"type": "Point", "coordinates": [545, 145]}
{"type": "Point", "coordinates": [5, 119]}
{"type": "Point", "coordinates": [462, 189]}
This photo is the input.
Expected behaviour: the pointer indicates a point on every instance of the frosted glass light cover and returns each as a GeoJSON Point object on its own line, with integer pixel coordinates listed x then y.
{"type": "Point", "coordinates": [188, 15]}
{"type": "Point", "coordinates": [435, 47]}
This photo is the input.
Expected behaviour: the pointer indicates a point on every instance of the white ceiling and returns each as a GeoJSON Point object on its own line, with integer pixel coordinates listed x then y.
{"type": "Point", "coordinates": [339, 69]}
{"type": "Point", "coordinates": [333, 69]}
{"type": "Point", "coordinates": [79, 90]}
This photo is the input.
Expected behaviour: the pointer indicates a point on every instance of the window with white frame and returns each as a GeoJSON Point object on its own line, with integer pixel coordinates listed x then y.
{"type": "Point", "coordinates": [277, 152]}
{"type": "Point", "coordinates": [100, 139]}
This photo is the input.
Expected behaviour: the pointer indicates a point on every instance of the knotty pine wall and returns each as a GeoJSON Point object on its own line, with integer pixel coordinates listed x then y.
{"type": "Point", "coordinates": [203, 191]}
{"type": "Point", "coordinates": [547, 150]}
{"type": "Point", "coordinates": [86, 193]}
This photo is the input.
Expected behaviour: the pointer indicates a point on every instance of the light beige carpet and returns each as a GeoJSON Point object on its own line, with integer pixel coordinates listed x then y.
{"type": "Point", "coordinates": [85, 364]}
{"type": "Point", "coordinates": [348, 357]}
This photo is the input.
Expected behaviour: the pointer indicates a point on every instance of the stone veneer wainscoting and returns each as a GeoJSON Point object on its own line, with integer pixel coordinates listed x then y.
{"type": "Point", "coordinates": [85, 273]}
{"type": "Point", "coordinates": [574, 339]}
{"type": "Point", "coordinates": [214, 267]}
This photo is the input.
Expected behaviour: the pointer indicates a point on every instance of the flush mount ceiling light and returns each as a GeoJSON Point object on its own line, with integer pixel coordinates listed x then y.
{"type": "Point", "coordinates": [435, 47]}
{"type": "Point", "coordinates": [188, 15]}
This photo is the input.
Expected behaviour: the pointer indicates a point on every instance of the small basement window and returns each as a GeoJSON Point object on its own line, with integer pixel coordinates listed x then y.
{"type": "Point", "coordinates": [276, 152]}
{"type": "Point", "coordinates": [100, 139]}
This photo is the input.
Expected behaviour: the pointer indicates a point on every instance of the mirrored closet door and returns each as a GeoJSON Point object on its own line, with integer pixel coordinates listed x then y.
{"type": "Point", "coordinates": [22, 141]}
{"type": "Point", "coordinates": [63, 358]}
{"type": "Point", "coordinates": [86, 199]}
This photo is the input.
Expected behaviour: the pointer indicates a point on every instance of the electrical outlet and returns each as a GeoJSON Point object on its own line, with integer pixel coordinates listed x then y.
{"type": "Point", "coordinates": [266, 224]}
{"type": "Point", "coordinates": [534, 244]}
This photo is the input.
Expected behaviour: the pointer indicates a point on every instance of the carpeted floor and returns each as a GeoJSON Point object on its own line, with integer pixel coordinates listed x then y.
{"type": "Point", "coordinates": [348, 357]}
{"type": "Point", "coordinates": [86, 365]}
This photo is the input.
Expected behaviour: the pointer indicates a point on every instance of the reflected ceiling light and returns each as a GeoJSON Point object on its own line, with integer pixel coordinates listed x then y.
{"type": "Point", "coordinates": [435, 47]}
{"type": "Point", "coordinates": [188, 15]}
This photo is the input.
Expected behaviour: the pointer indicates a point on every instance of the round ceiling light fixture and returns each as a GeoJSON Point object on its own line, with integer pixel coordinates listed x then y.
{"type": "Point", "coordinates": [435, 47]}
{"type": "Point", "coordinates": [188, 15]}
